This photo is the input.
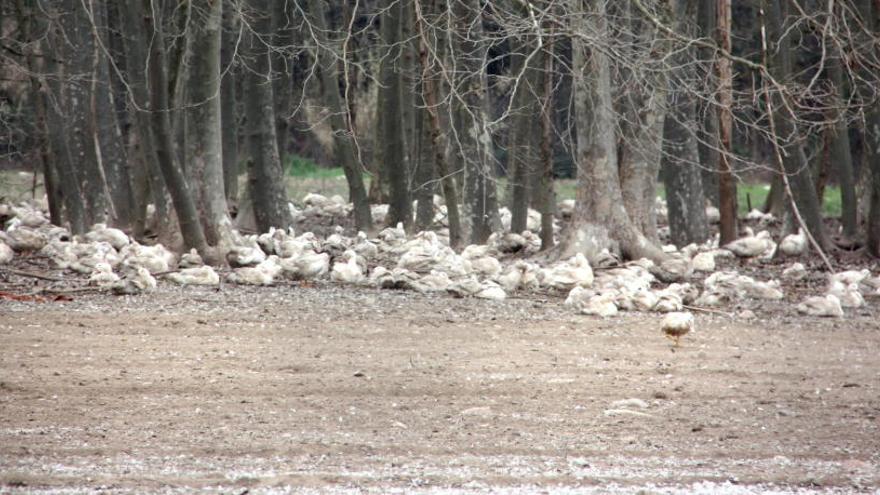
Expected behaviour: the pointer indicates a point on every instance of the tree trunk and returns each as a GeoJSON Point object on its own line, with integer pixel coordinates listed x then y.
{"type": "Point", "coordinates": [429, 94]}
{"type": "Point", "coordinates": [871, 160]}
{"type": "Point", "coordinates": [113, 157]}
{"type": "Point", "coordinates": [160, 123]}
{"type": "Point", "coordinates": [265, 176]}
{"type": "Point", "coordinates": [707, 142]}
{"type": "Point", "coordinates": [389, 118]}
{"type": "Point", "coordinates": [841, 155]}
{"type": "Point", "coordinates": [346, 154]}
{"type": "Point", "coordinates": [680, 165]}
{"type": "Point", "coordinates": [204, 144]}
{"type": "Point", "coordinates": [473, 142]}
{"type": "Point", "coordinates": [794, 160]}
{"type": "Point", "coordinates": [546, 195]}
{"type": "Point", "coordinates": [600, 220]}
{"type": "Point", "coordinates": [726, 180]}
{"type": "Point", "coordinates": [79, 59]}
{"type": "Point", "coordinates": [228, 104]}
{"type": "Point", "coordinates": [520, 147]}
{"type": "Point", "coordinates": [282, 85]}
{"type": "Point", "coordinates": [424, 171]}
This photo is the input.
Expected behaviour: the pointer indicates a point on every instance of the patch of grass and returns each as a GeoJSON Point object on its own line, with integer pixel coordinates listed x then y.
{"type": "Point", "coordinates": [304, 168]}
{"type": "Point", "coordinates": [831, 204]}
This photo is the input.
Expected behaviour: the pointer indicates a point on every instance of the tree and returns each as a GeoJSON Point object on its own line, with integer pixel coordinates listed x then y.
{"type": "Point", "coordinates": [265, 176]}
{"type": "Point", "coordinates": [600, 220]}
{"type": "Point", "coordinates": [345, 151]}
{"type": "Point", "coordinates": [204, 138]}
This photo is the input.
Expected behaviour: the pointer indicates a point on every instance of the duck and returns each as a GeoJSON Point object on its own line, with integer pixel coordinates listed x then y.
{"type": "Point", "coordinates": [89, 254]}
{"type": "Point", "coordinates": [21, 238]}
{"type": "Point", "coordinates": [794, 244]}
{"type": "Point", "coordinates": [704, 262]}
{"type": "Point", "coordinates": [6, 253]}
{"type": "Point", "coordinates": [307, 266]}
{"type": "Point", "coordinates": [347, 271]}
{"type": "Point", "coordinates": [797, 271]}
{"type": "Point", "coordinates": [101, 233]}
{"type": "Point", "coordinates": [335, 244]}
{"type": "Point", "coordinates": [262, 274]}
{"type": "Point", "coordinates": [644, 300]}
{"type": "Point", "coordinates": [713, 214]}
{"type": "Point", "coordinates": [136, 281]}
{"type": "Point", "coordinates": [270, 241]}
{"type": "Point", "coordinates": [191, 259]}
{"type": "Point", "coordinates": [196, 275]}
{"type": "Point", "coordinates": [155, 258]}
{"type": "Point", "coordinates": [602, 304]}
{"type": "Point", "coordinates": [481, 261]}
{"type": "Point", "coordinates": [520, 275]}
{"type": "Point", "coordinates": [576, 271]}
{"type": "Point", "coordinates": [848, 294]}
{"type": "Point", "coordinates": [472, 287]}
{"type": "Point", "coordinates": [434, 281]}
{"type": "Point", "coordinates": [103, 275]}
{"type": "Point", "coordinates": [676, 325]}
{"type": "Point", "coordinates": [850, 276]}
{"type": "Point", "coordinates": [365, 247]}
{"type": "Point", "coordinates": [824, 306]}
{"type": "Point", "coordinates": [752, 245]}
{"type": "Point", "coordinates": [249, 253]}
{"type": "Point", "coordinates": [577, 297]}
{"type": "Point", "coordinates": [668, 302]}
{"type": "Point", "coordinates": [770, 289]}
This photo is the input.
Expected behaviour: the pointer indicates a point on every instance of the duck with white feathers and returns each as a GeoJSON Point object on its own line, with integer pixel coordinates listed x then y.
{"type": "Point", "coordinates": [568, 274]}
{"type": "Point", "coordinates": [435, 281]}
{"type": "Point", "coordinates": [307, 265]}
{"type": "Point", "coordinates": [270, 242]}
{"type": "Point", "coordinates": [136, 281]}
{"type": "Point", "coordinates": [825, 306]}
{"type": "Point", "coordinates": [849, 276]}
{"type": "Point", "coordinates": [676, 325]}
{"type": "Point", "coordinates": [347, 271]}
{"type": "Point", "coordinates": [848, 294]}
{"type": "Point", "coordinates": [365, 247]}
{"type": "Point", "coordinates": [154, 258]}
{"type": "Point", "coordinates": [262, 274]}
{"type": "Point", "coordinates": [472, 287]}
{"type": "Point", "coordinates": [794, 244]}
{"type": "Point", "coordinates": [197, 275]}
{"type": "Point", "coordinates": [192, 259]}
{"type": "Point", "coordinates": [101, 233]}
{"type": "Point", "coordinates": [752, 246]}
{"type": "Point", "coordinates": [103, 276]}
{"type": "Point", "coordinates": [21, 238]}
{"type": "Point", "coordinates": [797, 271]}
{"type": "Point", "coordinates": [520, 275]}
{"type": "Point", "coordinates": [89, 254]}
{"type": "Point", "coordinates": [481, 260]}
{"type": "Point", "coordinates": [6, 253]}
{"type": "Point", "coordinates": [246, 252]}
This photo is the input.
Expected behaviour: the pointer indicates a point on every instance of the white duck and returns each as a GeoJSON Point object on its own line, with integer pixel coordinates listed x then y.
{"type": "Point", "coordinates": [103, 275]}
{"type": "Point", "coordinates": [602, 304]}
{"type": "Point", "coordinates": [848, 294]}
{"type": "Point", "coordinates": [6, 253]}
{"type": "Point", "coordinates": [21, 238]}
{"type": "Point", "coordinates": [435, 281]}
{"type": "Point", "coordinates": [191, 259]}
{"type": "Point", "coordinates": [704, 262]}
{"type": "Point", "coordinates": [794, 244]}
{"type": "Point", "coordinates": [850, 276]}
{"type": "Point", "coordinates": [364, 247]}
{"type": "Point", "coordinates": [138, 280]}
{"type": "Point", "coordinates": [198, 275]}
{"type": "Point", "coordinates": [827, 305]}
{"type": "Point", "coordinates": [566, 275]}
{"type": "Point", "coordinates": [101, 233]}
{"type": "Point", "coordinates": [248, 253]}
{"type": "Point", "coordinates": [676, 325]}
{"type": "Point", "coordinates": [347, 271]}
{"type": "Point", "coordinates": [752, 245]}
{"type": "Point", "coordinates": [306, 266]}
{"type": "Point", "coordinates": [797, 271]}
{"type": "Point", "coordinates": [482, 263]}
{"type": "Point", "coordinates": [261, 274]}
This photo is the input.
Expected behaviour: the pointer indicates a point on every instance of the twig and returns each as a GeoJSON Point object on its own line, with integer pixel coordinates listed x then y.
{"type": "Point", "coordinates": [707, 310]}
{"type": "Point", "coordinates": [31, 275]}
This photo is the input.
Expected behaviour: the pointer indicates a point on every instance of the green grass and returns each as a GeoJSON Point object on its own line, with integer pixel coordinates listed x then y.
{"type": "Point", "coordinates": [757, 193]}
{"type": "Point", "coordinates": [304, 168]}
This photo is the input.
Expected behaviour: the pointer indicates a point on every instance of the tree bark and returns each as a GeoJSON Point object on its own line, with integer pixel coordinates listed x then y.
{"type": "Point", "coordinates": [600, 220]}
{"type": "Point", "coordinates": [113, 157]}
{"type": "Point", "coordinates": [343, 144]}
{"type": "Point", "coordinates": [265, 176]}
{"type": "Point", "coordinates": [546, 194]}
{"type": "Point", "coordinates": [726, 180]}
{"type": "Point", "coordinates": [794, 160]}
{"type": "Point", "coordinates": [707, 144]}
{"type": "Point", "coordinates": [389, 118]}
{"type": "Point", "coordinates": [520, 147]}
{"type": "Point", "coordinates": [680, 165]}
{"type": "Point", "coordinates": [841, 155]}
{"type": "Point", "coordinates": [204, 142]}
{"type": "Point", "coordinates": [160, 123]}
{"type": "Point", "coordinates": [228, 103]}
{"type": "Point", "coordinates": [473, 142]}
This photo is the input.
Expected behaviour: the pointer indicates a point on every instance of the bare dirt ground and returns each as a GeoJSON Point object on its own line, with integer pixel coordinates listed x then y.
{"type": "Point", "coordinates": [329, 389]}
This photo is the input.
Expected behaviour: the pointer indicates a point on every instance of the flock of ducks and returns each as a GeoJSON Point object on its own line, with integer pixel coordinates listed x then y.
{"type": "Point", "coordinates": [424, 262]}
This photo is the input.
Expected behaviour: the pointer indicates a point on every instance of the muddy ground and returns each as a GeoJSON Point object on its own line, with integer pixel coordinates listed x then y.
{"type": "Point", "coordinates": [346, 390]}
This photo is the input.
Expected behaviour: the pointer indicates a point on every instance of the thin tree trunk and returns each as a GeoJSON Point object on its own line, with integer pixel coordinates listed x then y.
{"type": "Point", "coordinates": [707, 144]}
{"type": "Point", "coordinates": [228, 103]}
{"type": "Point", "coordinates": [79, 57]}
{"type": "Point", "coordinates": [841, 155]}
{"type": "Point", "coordinates": [392, 145]}
{"type": "Point", "coordinates": [204, 142]}
{"type": "Point", "coordinates": [546, 193]}
{"type": "Point", "coordinates": [473, 143]}
{"type": "Point", "coordinates": [175, 181]}
{"type": "Point", "coordinates": [343, 144]}
{"type": "Point", "coordinates": [424, 172]}
{"type": "Point", "coordinates": [114, 159]}
{"type": "Point", "coordinates": [429, 90]}
{"type": "Point", "coordinates": [794, 160]}
{"type": "Point", "coordinates": [265, 176]}
{"type": "Point", "coordinates": [520, 147]}
{"type": "Point", "coordinates": [680, 165]}
{"type": "Point", "coordinates": [726, 180]}
{"type": "Point", "coordinates": [282, 87]}
{"type": "Point", "coordinates": [871, 160]}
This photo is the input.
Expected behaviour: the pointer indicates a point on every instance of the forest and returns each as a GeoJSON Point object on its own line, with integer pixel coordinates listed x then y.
{"type": "Point", "coordinates": [121, 105]}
